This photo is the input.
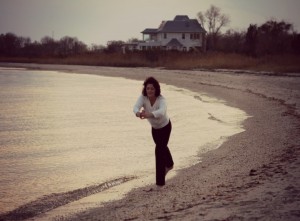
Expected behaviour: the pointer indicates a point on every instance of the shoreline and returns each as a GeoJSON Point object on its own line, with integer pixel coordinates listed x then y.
{"type": "Point", "coordinates": [253, 175]}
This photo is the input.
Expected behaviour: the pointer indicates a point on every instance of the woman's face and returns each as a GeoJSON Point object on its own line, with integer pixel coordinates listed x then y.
{"type": "Point", "coordinates": [150, 90]}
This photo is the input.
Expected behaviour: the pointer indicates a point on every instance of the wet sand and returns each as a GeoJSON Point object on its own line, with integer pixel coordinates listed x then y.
{"type": "Point", "coordinates": [254, 175]}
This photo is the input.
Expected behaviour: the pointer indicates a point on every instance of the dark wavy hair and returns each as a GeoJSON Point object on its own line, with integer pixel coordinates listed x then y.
{"type": "Point", "coordinates": [154, 82]}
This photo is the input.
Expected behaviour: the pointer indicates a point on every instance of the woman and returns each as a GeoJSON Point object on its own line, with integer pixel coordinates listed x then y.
{"type": "Point", "coordinates": [151, 105]}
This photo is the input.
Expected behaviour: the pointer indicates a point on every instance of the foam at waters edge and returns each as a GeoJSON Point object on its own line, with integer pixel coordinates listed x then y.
{"type": "Point", "coordinates": [50, 202]}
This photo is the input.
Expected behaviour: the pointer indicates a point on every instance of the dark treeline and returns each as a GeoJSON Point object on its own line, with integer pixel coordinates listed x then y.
{"type": "Point", "coordinates": [12, 45]}
{"type": "Point", "coordinates": [270, 38]}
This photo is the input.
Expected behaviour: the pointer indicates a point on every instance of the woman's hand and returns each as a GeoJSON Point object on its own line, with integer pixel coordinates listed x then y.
{"type": "Point", "coordinates": [141, 114]}
{"type": "Point", "coordinates": [145, 114]}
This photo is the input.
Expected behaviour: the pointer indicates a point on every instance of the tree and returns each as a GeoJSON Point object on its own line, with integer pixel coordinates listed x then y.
{"type": "Point", "coordinates": [295, 43]}
{"type": "Point", "coordinates": [251, 40]}
{"type": "Point", "coordinates": [273, 35]}
{"type": "Point", "coordinates": [131, 40]}
{"type": "Point", "coordinates": [269, 38]}
{"type": "Point", "coordinates": [97, 48]}
{"type": "Point", "coordinates": [232, 41]}
{"type": "Point", "coordinates": [9, 44]}
{"type": "Point", "coordinates": [114, 46]}
{"type": "Point", "coordinates": [214, 20]}
{"type": "Point", "coordinates": [70, 46]}
{"type": "Point", "coordinates": [49, 46]}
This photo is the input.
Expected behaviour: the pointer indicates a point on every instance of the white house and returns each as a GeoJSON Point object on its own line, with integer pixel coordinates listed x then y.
{"type": "Point", "coordinates": [182, 34]}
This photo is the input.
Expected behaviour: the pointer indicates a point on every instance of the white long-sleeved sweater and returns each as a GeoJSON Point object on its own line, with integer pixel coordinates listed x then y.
{"type": "Point", "coordinates": [159, 110]}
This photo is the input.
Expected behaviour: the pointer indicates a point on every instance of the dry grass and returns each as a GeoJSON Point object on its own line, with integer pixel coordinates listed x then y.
{"type": "Point", "coordinates": [211, 60]}
{"type": "Point", "coordinates": [214, 61]}
{"type": "Point", "coordinates": [272, 63]}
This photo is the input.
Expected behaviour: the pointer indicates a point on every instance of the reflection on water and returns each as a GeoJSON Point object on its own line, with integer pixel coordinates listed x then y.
{"type": "Point", "coordinates": [62, 132]}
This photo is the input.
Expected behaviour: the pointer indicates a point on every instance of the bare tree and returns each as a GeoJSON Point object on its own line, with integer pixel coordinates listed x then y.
{"type": "Point", "coordinates": [48, 45]}
{"type": "Point", "coordinates": [114, 46]}
{"type": "Point", "coordinates": [71, 45]}
{"type": "Point", "coordinates": [132, 40]}
{"type": "Point", "coordinates": [214, 20]}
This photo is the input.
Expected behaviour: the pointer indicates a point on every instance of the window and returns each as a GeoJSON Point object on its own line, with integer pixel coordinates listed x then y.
{"type": "Point", "coordinates": [165, 35]}
{"type": "Point", "coordinates": [183, 36]}
{"type": "Point", "coordinates": [195, 36]}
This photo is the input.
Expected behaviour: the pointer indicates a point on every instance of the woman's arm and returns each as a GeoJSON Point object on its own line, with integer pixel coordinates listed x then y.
{"type": "Point", "coordinates": [161, 111]}
{"type": "Point", "coordinates": [138, 105]}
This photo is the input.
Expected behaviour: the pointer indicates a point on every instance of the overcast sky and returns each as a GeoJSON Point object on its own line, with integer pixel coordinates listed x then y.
{"type": "Point", "coordinates": [99, 21]}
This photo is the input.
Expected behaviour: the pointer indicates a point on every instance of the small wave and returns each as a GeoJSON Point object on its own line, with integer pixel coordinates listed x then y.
{"type": "Point", "coordinates": [52, 201]}
{"type": "Point", "coordinates": [197, 97]}
{"type": "Point", "coordinates": [212, 117]}
{"type": "Point", "coordinates": [11, 69]}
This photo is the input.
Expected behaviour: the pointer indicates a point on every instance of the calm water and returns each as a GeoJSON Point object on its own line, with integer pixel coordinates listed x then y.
{"type": "Point", "coordinates": [61, 132]}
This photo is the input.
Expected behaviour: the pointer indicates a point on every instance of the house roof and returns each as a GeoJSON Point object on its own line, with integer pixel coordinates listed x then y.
{"type": "Point", "coordinates": [181, 18]}
{"type": "Point", "coordinates": [181, 23]}
{"type": "Point", "coordinates": [191, 25]}
{"type": "Point", "coordinates": [149, 31]}
{"type": "Point", "coordinates": [174, 43]}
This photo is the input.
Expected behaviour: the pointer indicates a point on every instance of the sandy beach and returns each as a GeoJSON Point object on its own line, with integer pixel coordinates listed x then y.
{"type": "Point", "coordinates": [254, 175]}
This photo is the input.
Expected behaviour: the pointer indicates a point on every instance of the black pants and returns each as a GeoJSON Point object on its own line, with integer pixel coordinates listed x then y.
{"type": "Point", "coordinates": [163, 157]}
